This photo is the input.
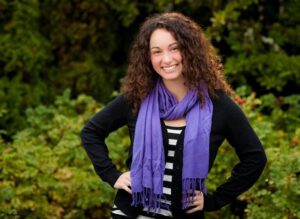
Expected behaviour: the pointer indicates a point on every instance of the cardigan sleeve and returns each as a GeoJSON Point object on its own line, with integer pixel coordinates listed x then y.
{"type": "Point", "coordinates": [93, 136]}
{"type": "Point", "coordinates": [249, 150]}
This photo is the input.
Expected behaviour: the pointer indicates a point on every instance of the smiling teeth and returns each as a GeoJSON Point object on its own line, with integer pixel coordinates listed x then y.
{"type": "Point", "coordinates": [169, 68]}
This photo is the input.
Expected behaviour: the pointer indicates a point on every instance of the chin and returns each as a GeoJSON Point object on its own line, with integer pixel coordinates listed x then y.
{"type": "Point", "coordinates": [170, 76]}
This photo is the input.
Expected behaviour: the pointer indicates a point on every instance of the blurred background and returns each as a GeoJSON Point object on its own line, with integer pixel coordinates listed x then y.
{"type": "Point", "coordinates": [61, 61]}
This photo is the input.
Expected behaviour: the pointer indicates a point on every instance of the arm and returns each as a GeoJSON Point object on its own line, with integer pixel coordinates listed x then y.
{"type": "Point", "coordinates": [249, 150]}
{"type": "Point", "coordinates": [93, 136]}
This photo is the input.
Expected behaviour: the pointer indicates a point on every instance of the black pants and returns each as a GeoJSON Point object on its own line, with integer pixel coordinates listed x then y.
{"type": "Point", "coordinates": [199, 215]}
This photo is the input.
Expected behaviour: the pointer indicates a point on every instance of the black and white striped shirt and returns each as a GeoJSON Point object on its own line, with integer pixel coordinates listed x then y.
{"type": "Point", "coordinates": [173, 134]}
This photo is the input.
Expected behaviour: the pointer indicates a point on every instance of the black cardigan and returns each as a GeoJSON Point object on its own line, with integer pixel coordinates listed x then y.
{"type": "Point", "coordinates": [228, 122]}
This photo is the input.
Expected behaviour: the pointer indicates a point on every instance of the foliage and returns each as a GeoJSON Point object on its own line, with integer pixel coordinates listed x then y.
{"type": "Point", "coordinates": [258, 38]}
{"type": "Point", "coordinates": [46, 172]}
{"type": "Point", "coordinates": [48, 46]}
{"type": "Point", "coordinates": [24, 54]}
{"type": "Point", "coordinates": [276, 194]}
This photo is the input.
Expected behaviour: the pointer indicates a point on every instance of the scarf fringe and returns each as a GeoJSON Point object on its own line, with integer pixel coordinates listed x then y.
{"type": "Point", "coordinates": [149, 200]}
{"type": "Point", "coordinates": [189, 187]}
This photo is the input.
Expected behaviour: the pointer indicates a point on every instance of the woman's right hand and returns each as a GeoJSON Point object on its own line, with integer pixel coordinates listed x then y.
{"type": "Point", "coordinates": [124, 182]}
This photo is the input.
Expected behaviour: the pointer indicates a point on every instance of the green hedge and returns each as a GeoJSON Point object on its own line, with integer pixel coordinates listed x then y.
{"type": "Point", "coordinates": [47, 174]}
{"type": "Point", "coordinates": [48, 46]}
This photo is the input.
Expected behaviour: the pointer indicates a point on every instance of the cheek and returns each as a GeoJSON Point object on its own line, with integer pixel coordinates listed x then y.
{"type": "Point", "coordinates": [155, 62]}
{"type": "Point", "coordinates": [178, 57]}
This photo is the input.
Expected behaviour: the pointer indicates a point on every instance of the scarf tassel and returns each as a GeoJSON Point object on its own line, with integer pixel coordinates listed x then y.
{"type": "Point", "coordinates": [149, 200]}
{"type": "Point", "coordinates": [189, 187]}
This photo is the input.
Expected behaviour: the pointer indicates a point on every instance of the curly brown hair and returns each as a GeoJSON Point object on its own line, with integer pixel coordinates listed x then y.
{"type": "Point", "coordinates": [200, 62]}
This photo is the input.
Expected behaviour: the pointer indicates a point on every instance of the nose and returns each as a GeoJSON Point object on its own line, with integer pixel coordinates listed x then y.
{"type": "Point", "coordinates": [167, 58]}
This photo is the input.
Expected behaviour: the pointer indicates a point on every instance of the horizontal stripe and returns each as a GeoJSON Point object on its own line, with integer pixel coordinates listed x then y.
{"type": "Point", "coordinates": [167, 191]}
{"type": "Point", "coordinates": [172, 141]}
{"type": "Point", "coordinates": [162, 212]}
{"type": "Point", "coordinates": [144, 217]}
{"type": "Point", "coordinates": [169, 166]}
{"type": "Point", "coordinates": [167, 185]}
{"type": "Point", "coordinates": [118, 212]}
{"type": "Point", "coordinates": [171, 153]}
{"type": "Point", "coordinates": [168, 178]}
{"type": "Point", "coordinates": [168, 202]}
{"type": "Point", "coordinates": [174, 131]}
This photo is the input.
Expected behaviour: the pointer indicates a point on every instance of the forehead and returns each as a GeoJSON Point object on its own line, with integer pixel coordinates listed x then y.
{"type": "Point", "coordinates": [161, 38]}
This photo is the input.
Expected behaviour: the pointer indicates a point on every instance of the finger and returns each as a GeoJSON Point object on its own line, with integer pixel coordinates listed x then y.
{"type": "Point", "coordinates": [189, 201]}
{"type": "Point", "coordinates": [193, 210]}
{"type": "Point", "coordinates": [127, 189]}
{"type": "Point", "coordinates": [121, 183]}
{"type": "Point", "coordinates": [196, 207]}
{"type": "Point", "coordinates": [197, 197]}
{"type": "Point", "coordinates": [197, 192]}
{"type": "Point", "coordinates": [127, 182]}
{"type": "Point", "coordinates": [195, 204]}
{"type": "Point", "coordinates": [193, 199]}
{"type": "Point", "coordinates": [128, 178]}
{"type": "Point", "coordinates": [194, 195]}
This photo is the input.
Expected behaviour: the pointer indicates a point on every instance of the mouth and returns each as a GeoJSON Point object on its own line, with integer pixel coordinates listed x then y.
{"type": "Point", "coordinates": [170, 68]}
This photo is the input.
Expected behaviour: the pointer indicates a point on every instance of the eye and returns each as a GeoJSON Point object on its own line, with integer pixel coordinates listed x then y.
{"type": "Point", "coordinates": [174, 49]}
{"type": "Point", "coordinates": [156, 52]}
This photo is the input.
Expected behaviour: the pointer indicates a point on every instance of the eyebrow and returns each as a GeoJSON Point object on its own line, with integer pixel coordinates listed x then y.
{"type": "Point", "coordinates": [156, 47]}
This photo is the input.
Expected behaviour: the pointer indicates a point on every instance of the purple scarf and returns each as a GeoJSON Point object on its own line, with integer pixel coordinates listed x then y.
{"type": "Point", "coordinates": [148, 162]}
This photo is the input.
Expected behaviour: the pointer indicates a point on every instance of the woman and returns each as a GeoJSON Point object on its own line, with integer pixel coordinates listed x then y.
{"type": "Point", "coordinates": [175, 103]}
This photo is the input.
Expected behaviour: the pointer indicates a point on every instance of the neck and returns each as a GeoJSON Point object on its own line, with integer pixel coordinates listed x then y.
{"type": "Point", "coordinates": [177, 88]}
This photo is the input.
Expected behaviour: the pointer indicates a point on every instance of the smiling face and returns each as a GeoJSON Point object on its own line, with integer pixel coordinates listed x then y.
{"type": "Point", "coordinates": [165, 56]}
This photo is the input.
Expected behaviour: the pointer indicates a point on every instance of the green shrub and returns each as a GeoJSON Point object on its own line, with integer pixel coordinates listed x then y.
{"type": "Point", "coordinates": [46, 172]}
{"type": "Point", "coordinates": [276, 194]}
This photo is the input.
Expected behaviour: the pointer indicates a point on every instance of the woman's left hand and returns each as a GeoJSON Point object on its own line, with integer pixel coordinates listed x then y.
{"type": "Point", "coordinates": [198, 203]}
